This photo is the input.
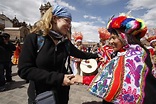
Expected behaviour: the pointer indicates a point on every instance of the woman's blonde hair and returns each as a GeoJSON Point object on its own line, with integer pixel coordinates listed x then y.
{"type": "Point", "coordinates": [44, 24]}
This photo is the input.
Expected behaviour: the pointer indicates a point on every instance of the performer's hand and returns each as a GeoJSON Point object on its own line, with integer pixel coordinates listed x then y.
{"type": "Point", "coordinates": [67, 79]}
{"type": "Point", "coordinates": [102, 59]}
{"type": "Point", "coordinates": [77, 79]}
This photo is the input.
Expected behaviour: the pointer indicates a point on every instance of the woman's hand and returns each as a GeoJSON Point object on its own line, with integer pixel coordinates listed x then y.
{"type": "Point", "coordinates": [67, 79]}
{"type": "Point", "coordinates": [77, 79]}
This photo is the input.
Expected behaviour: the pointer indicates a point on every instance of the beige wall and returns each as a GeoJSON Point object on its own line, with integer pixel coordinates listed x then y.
{"type": "Point", "coordinates": [17, 33]}
{"type": "Point", "coordinates": [13, 34]}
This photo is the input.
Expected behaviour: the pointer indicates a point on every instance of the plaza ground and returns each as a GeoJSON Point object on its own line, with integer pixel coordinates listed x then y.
{"type": "Point", "coordinates": [16, 93]}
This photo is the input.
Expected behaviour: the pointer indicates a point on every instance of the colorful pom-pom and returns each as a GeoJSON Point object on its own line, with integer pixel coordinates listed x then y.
{"type": "Point", "coordinates": [128, 25]}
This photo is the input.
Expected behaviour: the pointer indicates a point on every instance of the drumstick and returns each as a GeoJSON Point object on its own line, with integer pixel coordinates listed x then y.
{"type": "Point", "coordinates": [89, 66]}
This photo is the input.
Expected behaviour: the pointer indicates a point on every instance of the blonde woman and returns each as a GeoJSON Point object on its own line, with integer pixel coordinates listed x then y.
{"type": "Point", "coordinates": [46, 68]}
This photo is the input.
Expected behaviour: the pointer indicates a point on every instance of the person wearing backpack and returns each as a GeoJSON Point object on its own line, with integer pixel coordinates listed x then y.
{"type": "Point", "coordinates": [46, 66]}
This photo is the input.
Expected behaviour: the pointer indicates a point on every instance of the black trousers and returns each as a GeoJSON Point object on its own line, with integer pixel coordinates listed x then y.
{"type": "Point", "coordinates": [2, 76]}
{"type": "Point", "coordinates": [8, 72]}
{"type": "Point", "coordinates": [31, 92]}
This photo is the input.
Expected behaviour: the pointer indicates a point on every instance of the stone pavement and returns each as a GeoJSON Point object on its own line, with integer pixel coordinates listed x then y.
{"type": "Point", "coordinates": [16, 93]}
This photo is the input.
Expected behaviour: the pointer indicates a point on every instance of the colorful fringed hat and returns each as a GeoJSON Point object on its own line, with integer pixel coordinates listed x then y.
{"type": "Point", "coordinates": [103, 33]}
{"type": "Point", "coordinates": [128, 25]}
{"type": "Point", "coordinates": [77, 36]}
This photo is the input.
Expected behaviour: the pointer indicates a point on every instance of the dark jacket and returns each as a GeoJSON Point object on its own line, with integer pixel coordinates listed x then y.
{"type": "Point", "coordinates": [6, 52]}
{"type": "Point", "coordinates": [47, 68]}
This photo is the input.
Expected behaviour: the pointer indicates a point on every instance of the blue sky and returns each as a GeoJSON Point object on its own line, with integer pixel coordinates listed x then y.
{"type": "Point", "coordinates": [88, 15]}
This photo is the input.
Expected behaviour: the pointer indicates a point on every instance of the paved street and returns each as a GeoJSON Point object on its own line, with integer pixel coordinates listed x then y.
{"type": "Point", "coordinates": [16, 93]}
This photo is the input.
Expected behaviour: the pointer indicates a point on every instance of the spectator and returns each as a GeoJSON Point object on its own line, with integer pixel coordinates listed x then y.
{"type": "Point", "coordinates": [16, 53]}
{"type": "Point", "coordinates": [6, 50]}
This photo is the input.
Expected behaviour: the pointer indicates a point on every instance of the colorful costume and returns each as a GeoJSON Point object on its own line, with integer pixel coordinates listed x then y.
{"type": "Point", "coordinates": [127, 78]}
{"type": "Point", "coordinates": [16, 54]}
{"type": "Point", "coordinates": [123, 77]}
{"type": "Point", "coordinates": [105, 50]}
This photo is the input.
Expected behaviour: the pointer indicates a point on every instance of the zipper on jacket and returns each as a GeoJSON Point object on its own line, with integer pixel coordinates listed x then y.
{"type": "Point", "coordinates": [55, 54]}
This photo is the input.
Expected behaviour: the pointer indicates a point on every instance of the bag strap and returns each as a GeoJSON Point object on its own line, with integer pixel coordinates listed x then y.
{"type": "Point", "coordinates": [40, 42]}
{"type": "Point", "coordinates": [67, 46]}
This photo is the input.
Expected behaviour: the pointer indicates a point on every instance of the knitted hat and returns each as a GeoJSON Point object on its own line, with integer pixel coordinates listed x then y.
{"type": "Point", "coordinates": [103, 33]}
{"type": "Point", "coordinates": [128, 25]}
{"type": "Point", "coordinates": [61, 12]}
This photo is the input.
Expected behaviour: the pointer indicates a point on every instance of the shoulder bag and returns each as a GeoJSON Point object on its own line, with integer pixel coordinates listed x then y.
{"type": "Point", "coordinates": [46, 97]}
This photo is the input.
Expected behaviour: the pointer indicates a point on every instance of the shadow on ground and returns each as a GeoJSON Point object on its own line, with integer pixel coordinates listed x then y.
{"type": "Point", "coordinates": [16, 84]}
{"type": "Point", "coordinates": [14, 74]}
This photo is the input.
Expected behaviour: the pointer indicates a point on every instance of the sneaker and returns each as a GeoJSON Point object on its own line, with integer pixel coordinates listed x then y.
{"type": "Point", "coordinates": [2, 88]}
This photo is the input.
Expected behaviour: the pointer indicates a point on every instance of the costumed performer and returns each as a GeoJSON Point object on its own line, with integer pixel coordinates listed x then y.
{"type": "Point", "coordinates": [127, 78]}
{"type": "Point", "coordinates": [105, 50]}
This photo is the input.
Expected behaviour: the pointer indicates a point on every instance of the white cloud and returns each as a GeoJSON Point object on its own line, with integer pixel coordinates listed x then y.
{"type": "Point", "coordinates": [99, 2]}
{"type": "Point", "coordinates": [28, 10]}
{"type": "Point", "coordinates": [88, 30]}
{"type": "Point", "coordinates": [141, 4]}
{"type": "Point", "coordinates": [60, 2]}
{"type": "Point", "coordinates": [96, 19]}
{"type": "Point", "coordinates": [25, 10]}
{"type": "Point", "coordinates": [149, 7]}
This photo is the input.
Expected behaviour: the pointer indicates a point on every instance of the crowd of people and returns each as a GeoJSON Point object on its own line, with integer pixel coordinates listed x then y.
{"type": "Point", "coordinates": [126, 70]}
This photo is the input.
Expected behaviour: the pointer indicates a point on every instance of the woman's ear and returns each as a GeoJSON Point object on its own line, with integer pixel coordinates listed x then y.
{"type": "Point", "coordinates": [54, 19]}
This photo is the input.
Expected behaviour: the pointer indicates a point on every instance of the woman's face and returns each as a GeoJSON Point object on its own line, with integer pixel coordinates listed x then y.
{"type": "Point", "coordinates": [153, 44]}
{"type": "Point", "coordinates": [63, 25]}
{"type": "Point", "coordinates": [78, 43]}
{"type": "Point", "coordinates": [102, 41]}
{"type": "Point", "coordinates": [115, 42]}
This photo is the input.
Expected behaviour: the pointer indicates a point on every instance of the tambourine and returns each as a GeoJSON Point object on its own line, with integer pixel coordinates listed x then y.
{"type": "Point", "coordinates": [88, 66]}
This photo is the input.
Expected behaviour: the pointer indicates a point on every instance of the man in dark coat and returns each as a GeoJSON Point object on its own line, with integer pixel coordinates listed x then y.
{"type": "Point", "coordinates": [9, 49]}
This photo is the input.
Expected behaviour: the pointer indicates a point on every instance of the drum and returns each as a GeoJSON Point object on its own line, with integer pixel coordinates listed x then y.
{"type": "Point", "coordinates": [88, 66]}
